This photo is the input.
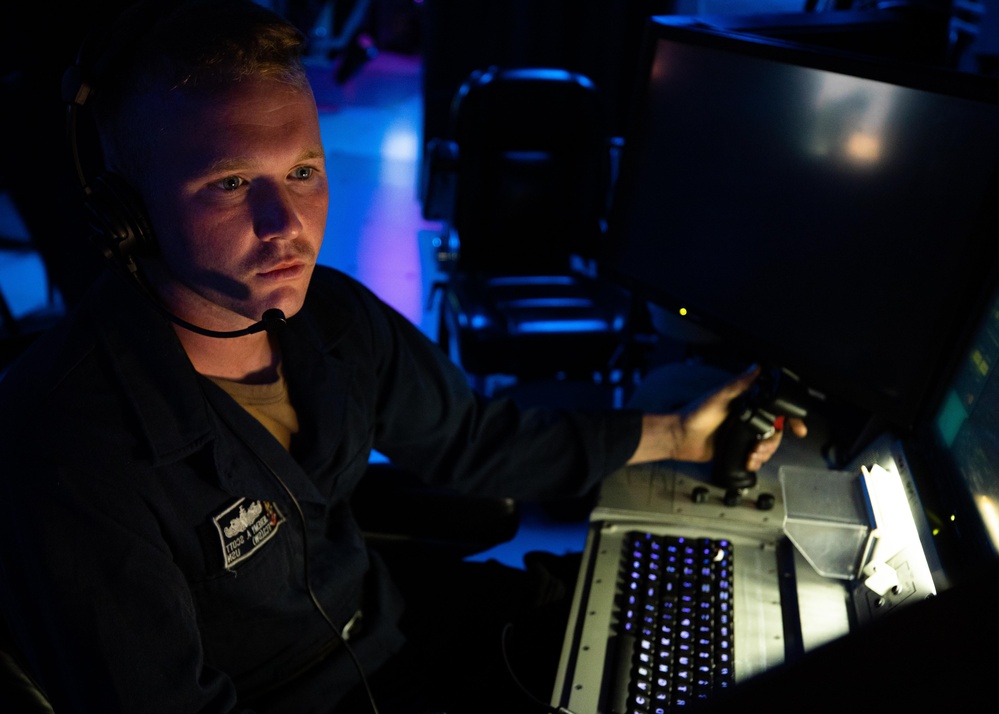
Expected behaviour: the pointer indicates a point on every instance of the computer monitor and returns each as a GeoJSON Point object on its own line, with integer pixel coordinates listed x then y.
{"type": "Point", "coordinates": [831, 214]}
{"type": "Point", "coordinates": [955, 451]}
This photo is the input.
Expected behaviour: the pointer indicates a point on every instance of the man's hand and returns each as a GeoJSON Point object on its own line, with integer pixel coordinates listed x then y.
{"type": "Point", "coordinates": [690, 434]}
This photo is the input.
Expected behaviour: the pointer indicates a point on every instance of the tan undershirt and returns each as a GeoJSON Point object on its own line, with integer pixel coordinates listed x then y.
{"type": "Point", "coordinates": [268, 403]}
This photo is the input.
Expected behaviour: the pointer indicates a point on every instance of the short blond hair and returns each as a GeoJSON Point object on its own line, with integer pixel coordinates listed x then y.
{"type": "Point", "coordinates": [166, 46]}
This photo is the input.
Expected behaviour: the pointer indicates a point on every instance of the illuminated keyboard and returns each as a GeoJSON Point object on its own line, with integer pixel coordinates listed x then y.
{"type": "Point", "coordinates": [674, 642]}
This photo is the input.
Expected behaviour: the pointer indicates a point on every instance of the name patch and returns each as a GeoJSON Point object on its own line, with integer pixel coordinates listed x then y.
{"type": "Point", "coordinates": [244, 527]}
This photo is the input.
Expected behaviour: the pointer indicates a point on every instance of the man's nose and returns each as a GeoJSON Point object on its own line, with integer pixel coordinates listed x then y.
{"type": "Point", "coordinates": [275, 213]}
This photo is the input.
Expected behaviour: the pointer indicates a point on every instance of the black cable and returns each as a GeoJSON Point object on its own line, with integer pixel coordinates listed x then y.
{"type": "Point", "coordinates": [314, 597]}
{"type": "Point", "coordinates": [513, 675]}
{"type": "Point", "coordinates": [306, 573]}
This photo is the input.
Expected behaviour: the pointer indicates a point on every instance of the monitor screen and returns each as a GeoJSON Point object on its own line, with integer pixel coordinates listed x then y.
{"type": "Point", "coordinates": [824, 212]}
{"type": "Point", "coordinates": [965, 434]}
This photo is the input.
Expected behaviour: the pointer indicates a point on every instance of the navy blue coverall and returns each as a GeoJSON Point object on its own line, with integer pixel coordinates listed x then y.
{"type": "Point", "coordinates": [155, 535]}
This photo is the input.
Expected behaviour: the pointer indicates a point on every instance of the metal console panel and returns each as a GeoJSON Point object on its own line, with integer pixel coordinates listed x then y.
{"type": "Point", "coordinates": [667, 490]}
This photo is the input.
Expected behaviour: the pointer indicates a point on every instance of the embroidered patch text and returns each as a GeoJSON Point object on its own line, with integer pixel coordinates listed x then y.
{"type": "Point", "coordinates": [244, 527]}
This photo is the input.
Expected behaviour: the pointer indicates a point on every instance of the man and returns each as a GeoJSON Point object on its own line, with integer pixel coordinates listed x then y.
{"type": "Point", "coordinates": [179, 536]}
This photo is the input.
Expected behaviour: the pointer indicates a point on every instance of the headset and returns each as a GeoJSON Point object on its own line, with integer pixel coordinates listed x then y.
{"type": "Point", "coordinates": [114, 208]}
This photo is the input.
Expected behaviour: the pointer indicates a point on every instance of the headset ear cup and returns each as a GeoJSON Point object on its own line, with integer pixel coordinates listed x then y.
{"type": "Point", "coordinates": [119, 218]}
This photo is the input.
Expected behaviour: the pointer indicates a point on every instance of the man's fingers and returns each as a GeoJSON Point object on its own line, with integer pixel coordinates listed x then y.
{"type": "Point", "coordinates": [798, 428]}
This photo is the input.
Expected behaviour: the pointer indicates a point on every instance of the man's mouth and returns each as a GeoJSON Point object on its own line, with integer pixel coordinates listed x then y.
{"type": "Point", "coordinates": [283, 271]}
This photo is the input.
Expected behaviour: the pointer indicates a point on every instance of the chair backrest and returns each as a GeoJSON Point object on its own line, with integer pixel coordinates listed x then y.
{"type": "Point", "coordinates": [533, 169]}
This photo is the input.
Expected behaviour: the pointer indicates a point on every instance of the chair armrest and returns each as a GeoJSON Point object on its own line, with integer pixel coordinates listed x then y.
{"type": "Point", "coordinates": [395, 509]}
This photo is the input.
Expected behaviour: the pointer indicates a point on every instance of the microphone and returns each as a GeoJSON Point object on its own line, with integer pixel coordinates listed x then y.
{"type": "Point", "coordinates": [273, 320]}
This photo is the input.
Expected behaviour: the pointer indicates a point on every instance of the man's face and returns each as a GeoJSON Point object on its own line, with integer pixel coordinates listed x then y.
{"type": "Point", "coordinates": [237, 195]}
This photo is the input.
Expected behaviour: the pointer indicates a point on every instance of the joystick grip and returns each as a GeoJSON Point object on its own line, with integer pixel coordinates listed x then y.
{"type": "Point", "coordinates": [754, 416]}
{"type": "Point", "coordinates": [738, 434]}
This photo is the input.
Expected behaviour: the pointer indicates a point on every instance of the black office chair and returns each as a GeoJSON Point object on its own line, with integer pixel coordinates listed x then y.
{"type": "Point", "coordinates": [18, 331]}
{"type": "Point", "coordinates": [522, 184]}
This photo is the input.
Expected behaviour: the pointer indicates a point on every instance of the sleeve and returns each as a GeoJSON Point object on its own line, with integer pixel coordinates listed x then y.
{"type": "Point", "coordinates": [429, 420]}
{"type": "Point", "coordinates": [106, 628]}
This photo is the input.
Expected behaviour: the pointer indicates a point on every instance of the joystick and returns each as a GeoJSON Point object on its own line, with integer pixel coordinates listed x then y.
{"type": "Point", "coordinates": [755, 415]}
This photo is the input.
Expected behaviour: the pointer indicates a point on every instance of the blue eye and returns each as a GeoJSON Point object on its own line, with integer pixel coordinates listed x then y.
{"type": "Point", "coordinates": [303, 172]}
{"type": "Point", "coordinates": [230, 183]}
